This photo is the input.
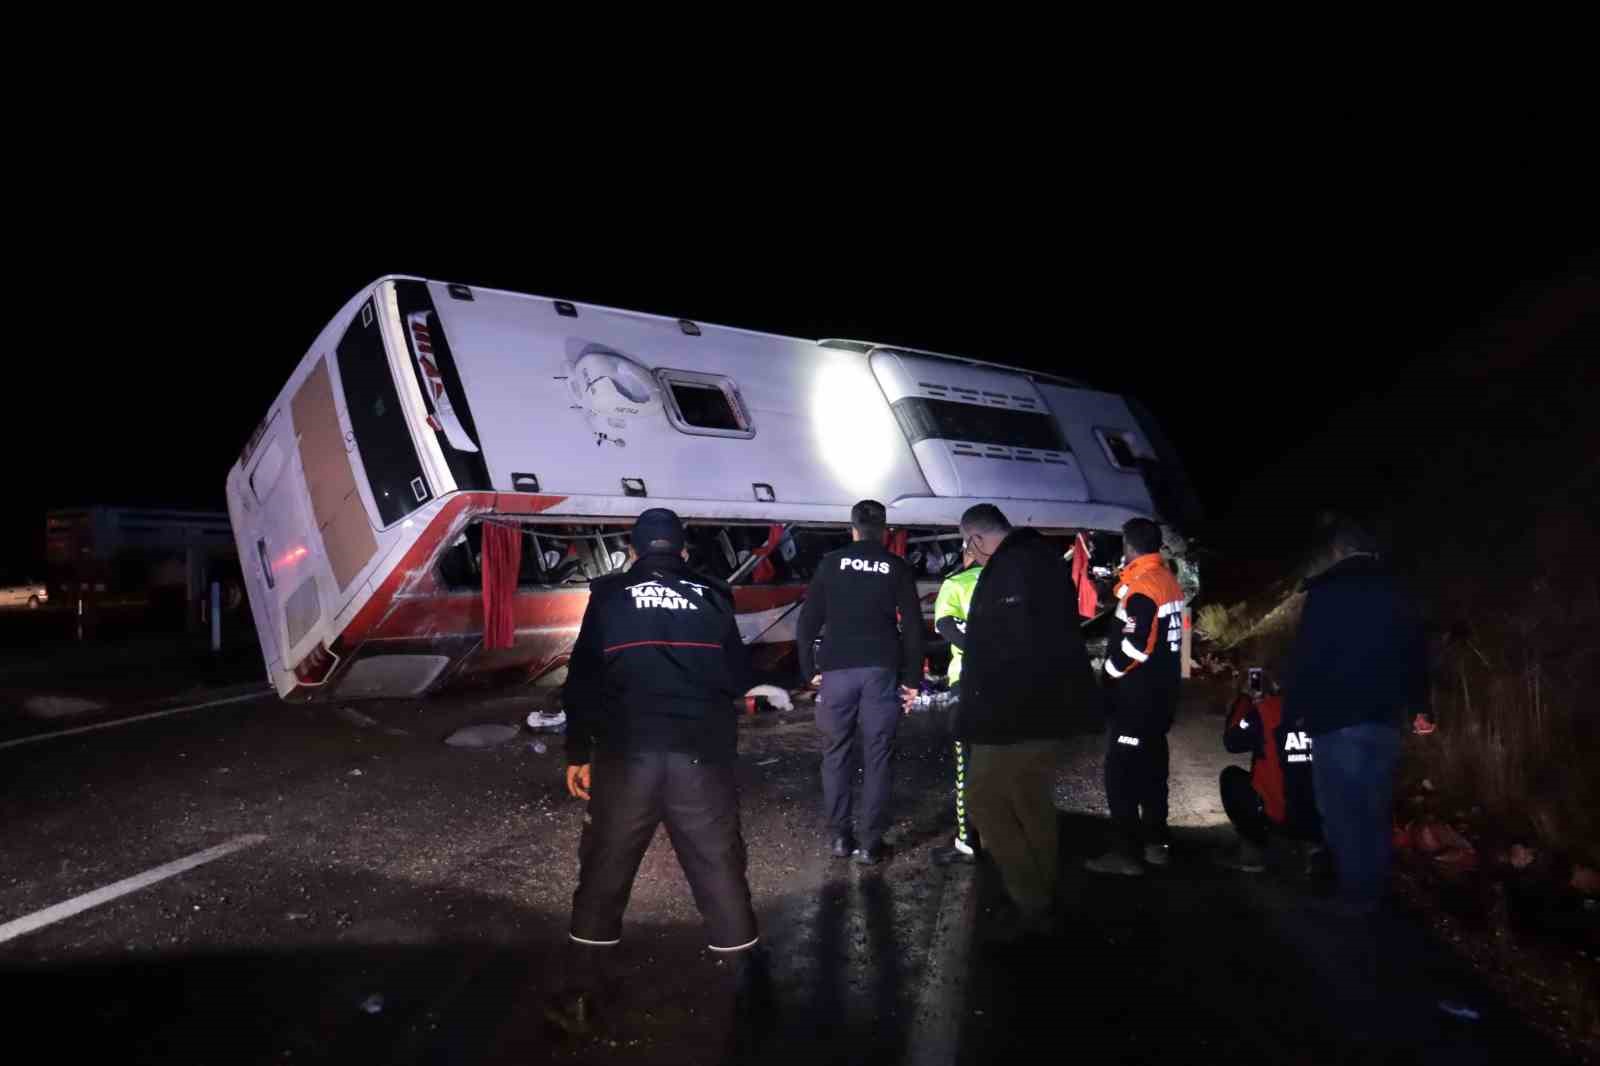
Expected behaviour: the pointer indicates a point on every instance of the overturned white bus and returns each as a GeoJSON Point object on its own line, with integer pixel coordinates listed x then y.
{"type": "Point", "coordinates": [425, 410]}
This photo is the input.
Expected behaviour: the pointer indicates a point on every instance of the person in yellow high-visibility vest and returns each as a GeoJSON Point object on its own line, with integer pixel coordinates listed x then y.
{"type": "Point", "coordinates": [950, 622]}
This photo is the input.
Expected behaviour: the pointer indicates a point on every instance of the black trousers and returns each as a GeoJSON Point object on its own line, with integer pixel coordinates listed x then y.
{"type": "Point", "coordinates": [1136, 786]}
{"type": "Point", "coordinates": [1243, 804]}
{"type": "Point", "coordinates": [867, 698]}
{"type": "Point", "coordinates": [1248, 812]}
{"type": "Point", "coordinates": [699, 802]}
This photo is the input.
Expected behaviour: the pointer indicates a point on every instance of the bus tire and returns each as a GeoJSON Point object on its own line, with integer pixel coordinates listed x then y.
{"type": "Point", "coordinates": [33, 603]}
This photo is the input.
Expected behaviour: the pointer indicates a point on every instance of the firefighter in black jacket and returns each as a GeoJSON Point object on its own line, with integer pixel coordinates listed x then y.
{"type": "Point", "coordinates": [651, 733]}
{"type": "Point", "coordinates": [866, 596]}
{"type": "Point", "coordinates": [1143, 672]}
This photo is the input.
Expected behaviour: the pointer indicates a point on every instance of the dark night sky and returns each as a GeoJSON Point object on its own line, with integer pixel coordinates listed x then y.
{"type": "Point", "coordinates": [163, 316]}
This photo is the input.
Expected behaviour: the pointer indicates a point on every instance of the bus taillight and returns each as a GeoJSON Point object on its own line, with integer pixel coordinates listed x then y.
{"type": "Point", "coordinates": [315, 668]}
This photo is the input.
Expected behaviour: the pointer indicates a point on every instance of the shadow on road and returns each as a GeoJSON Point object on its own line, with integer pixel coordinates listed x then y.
{"type": "Point", "coordinates": [1196, 964]}
{"type": "Point", "coordinates": [843, 996]}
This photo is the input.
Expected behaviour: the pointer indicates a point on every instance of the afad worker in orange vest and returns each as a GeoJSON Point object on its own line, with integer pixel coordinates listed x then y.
{"type": "Point", "coordinates": [1275, 797]}
{"type": "Point", "coordinates": [1143, 670]}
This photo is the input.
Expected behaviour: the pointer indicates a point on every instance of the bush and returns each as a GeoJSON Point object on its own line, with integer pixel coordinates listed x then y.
{"type": "Point", "coordinates": [1515, 677]}
{"type": "Point", "coordinates": [1213, 623]}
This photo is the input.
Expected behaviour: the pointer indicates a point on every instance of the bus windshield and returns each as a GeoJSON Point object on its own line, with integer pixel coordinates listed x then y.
{"type": "Point", "coordinates": [394, 472]}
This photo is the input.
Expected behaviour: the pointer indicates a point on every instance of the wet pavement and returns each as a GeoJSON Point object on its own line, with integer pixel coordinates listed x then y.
{"type": "Point", "coordinates": [407, 899]}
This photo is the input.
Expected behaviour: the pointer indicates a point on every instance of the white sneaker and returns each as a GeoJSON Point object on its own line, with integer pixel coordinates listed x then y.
{"type": "Point", "coordinates": [541, 720]}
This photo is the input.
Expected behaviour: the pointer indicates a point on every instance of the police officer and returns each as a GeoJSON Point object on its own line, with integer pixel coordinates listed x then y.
{"type": "Point", "coordinates": [652, 737]}
{"type": "Point", "coordinates": [1142, 674]}
{"type": "Point", "coordinates": [866, 597]}
{"type": "Point", "coordinates": [950, 608]}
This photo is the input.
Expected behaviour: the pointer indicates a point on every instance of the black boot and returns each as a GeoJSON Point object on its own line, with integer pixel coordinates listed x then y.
{"type": "Point", "coordinates": [952, 855]}
{"type": "Point", "coordinates": [870, 854]}
{"type": "Point", "coordinates": [754, 1002]}
{"type": "Point", "coordinates": [843, 845]}
{"type": "Point", "coordinates": [573, 1009]}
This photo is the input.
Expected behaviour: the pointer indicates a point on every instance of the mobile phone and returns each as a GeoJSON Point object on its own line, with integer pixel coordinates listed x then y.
{"type": "Point", "coordinates": [1254, 682]}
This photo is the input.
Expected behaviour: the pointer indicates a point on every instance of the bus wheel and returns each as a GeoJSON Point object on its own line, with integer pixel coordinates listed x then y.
{"type": "Point", "coordinates": [33, 603]}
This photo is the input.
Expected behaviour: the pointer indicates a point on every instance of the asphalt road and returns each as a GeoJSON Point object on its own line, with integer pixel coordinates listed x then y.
{"type": "Point", "coordinates": [364, 893]}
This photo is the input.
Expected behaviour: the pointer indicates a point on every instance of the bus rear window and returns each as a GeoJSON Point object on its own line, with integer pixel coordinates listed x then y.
{"type": "Point", "coordinates": [383, 440]}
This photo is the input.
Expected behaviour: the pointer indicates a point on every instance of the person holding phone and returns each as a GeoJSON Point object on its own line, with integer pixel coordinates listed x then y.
{"type": "Point", "coordinates": [1276, 797]}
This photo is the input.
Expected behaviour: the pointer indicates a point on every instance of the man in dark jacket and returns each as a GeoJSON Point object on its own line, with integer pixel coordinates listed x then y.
{"type": "Point", "coordinates": [651, 734]}
{"type": "Point", "coordinates": [866, 597]}
{"type": "Point", "coordinates": [1025, 684]}
{"type": "Point", "coordinates": [1357, 671]}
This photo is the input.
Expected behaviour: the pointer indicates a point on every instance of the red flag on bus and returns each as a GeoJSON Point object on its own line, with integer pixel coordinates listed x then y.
{"type": "Point", "coordinates": [1088, 597]}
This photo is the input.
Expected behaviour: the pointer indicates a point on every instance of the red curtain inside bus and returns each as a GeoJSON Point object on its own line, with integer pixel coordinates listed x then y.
{"type": "Point", "coordinates": [1088, 596]}
{"type": "Point", "coordinates": [765, 571]}
{"type": "Point", "coordinates": [502, 558]}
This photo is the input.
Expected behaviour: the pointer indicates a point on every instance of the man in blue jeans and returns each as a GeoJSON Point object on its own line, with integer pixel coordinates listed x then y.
{"type": "Point", "coordinates": [1357, 672]}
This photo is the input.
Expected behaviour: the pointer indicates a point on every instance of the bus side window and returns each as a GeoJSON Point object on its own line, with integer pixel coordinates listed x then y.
{"type": "Point", "coordinates": [810, 546]}
{"type": "Point", "coordinates": [707, 554]}
{"type": "Point", "coordinates": [459, 563]}
{"type": "Point", "coordinates": [591, 565]}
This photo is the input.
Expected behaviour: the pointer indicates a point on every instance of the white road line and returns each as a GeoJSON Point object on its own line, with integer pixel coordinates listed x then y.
{"type": "Point", "coordinates": [78, 904]}
{"type": "Point", "coordinates": [129, 721]}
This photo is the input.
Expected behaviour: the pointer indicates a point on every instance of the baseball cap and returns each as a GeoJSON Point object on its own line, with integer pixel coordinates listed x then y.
{"type": "Point", "coordinates": [658, 530]}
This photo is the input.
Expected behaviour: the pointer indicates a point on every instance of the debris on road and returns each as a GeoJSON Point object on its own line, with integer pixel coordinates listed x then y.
{"type": "Point", "coordinates": [484, 735]}
{"type": "Point", "coordinates": [547, 721]}
{"type": "Point", "coordinates": [354, 773]}
{"type": "Point", "coordinates": [373, 1004]}
{"type": "Point", "coordinates": [538, 747]}
{"type": "Point", "coordinates": [356, 718]}
{"type": "Point", "coordinates": [1430, 838]}
{"type": "Point", "coordinates": [59, 706]}
{"type": "Point", "coordinates": [767, 762]}
{"type": "Point", "coordinates": [1457, 860]}
{"type": "Point", "coordinates": [1459, 1010]}
{"type": "Point", "coordinates": [774, 695]}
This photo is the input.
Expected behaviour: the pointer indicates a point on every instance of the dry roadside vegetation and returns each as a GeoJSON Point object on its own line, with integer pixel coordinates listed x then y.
{"type": "Point", "coordinates": [1483, 471]}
